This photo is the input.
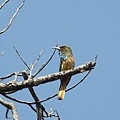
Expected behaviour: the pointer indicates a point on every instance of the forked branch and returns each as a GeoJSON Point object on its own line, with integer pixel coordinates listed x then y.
{"type": "Point", "coordinates": [9, 106]}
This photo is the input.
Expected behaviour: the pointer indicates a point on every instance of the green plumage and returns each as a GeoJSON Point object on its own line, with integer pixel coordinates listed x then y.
{"type": "Point", "coordinates": [67, 62]}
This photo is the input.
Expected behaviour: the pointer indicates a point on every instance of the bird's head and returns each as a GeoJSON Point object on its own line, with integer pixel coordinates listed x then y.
{"type": "Point", "coordinates": [64, 51]}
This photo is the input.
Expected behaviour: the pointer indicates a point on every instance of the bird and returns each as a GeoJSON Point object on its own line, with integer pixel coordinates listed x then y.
{"type": "Point", "coordinates": [67, 62]}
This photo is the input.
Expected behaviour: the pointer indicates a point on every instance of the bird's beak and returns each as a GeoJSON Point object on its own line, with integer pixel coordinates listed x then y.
{"type": "Point", "coordinates": [57, 48]}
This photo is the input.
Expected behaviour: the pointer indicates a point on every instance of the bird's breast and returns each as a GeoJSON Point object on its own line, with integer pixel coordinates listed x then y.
{"type": "Point", "coordinates": [67, 64]}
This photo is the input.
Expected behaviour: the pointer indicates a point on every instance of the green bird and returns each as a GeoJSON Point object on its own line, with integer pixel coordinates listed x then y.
{"type": "Point", "coordinates": [67, 62]}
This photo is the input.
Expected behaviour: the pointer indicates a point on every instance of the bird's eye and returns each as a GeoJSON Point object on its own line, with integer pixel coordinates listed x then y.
{"type": "Point", "coordinates": [59, 53]}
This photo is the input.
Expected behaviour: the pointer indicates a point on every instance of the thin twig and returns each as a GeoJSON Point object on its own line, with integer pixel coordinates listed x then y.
{"type": "Point", "coordinates": [57, 114]}
{"type": "Point", "coordinates": [34, 64]}
{"type": "Point", "coordinates": [8, 76]}
{"type": "Point", "coordinates": [52, 113]}
{"type": "Point", "coordinates": [78, 82]}
{"type": "Point", "coordinates": [16, 74]}
{"type": "Point", "coordinates": [6, 114]}
{"type": "Point", "coordinates": [38, 58]}
{"type": "Point", "coordinates": [22, 58]}
{"type": "Point", "coordinates": [38, 71]}
{"type": "Point", "coordinates": [32, 108]}
{"type": "Point", "coordinates": [96, 58]}
{"type": "Point", "coordinates": [31, 69]}
{"type": "Point", "coordinates": [3, 3]}
{"type": "Point", "coordinates": [16, 100]}
{"type": "Point", "coordinates": [12, 18]}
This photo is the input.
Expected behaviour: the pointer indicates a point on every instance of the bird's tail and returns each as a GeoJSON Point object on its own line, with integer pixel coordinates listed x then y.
{"type": "Point", "coordinates": [61, 92]}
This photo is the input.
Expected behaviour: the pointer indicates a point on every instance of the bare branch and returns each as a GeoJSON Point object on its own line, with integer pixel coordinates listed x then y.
{"type": "Point", "coordinates": [10, 106]}
{"type": "Point", "coordinates": [57, 115]}
{"type": "Point", "coordinates": [16, 100]}
{"type": "Point", "coordinates": [38, 58]}
{"type": "Point", "coordinates": [46, 99]}
{"type": "Point", "coordinates": [38, 105]}
{"type": "Point", "coordinates": [34, 64]}
{"type": "Point", "coordinates": [45, 79]}
{"type": "Point", "coordinates": [11, 20]}
{"type": "Point", "coordinates": [32, 108]}
{"type": "Point", "coordinates": [3, 3]}
{"type": "Point", "coordinates": [96, 58]}
{"type": "Point", "coordinates": [38, 71]}
{"type": "Point", "coordinates": [21, 58]}
{"type": "Point", "coordinates": [10, 75]}
{"type": "Point", "coordinates": [52, 113]}
{"type": "Point", "coordinates": [31, 70]}
{"type": "Point", "coordinates": [78, 82]}
{"type": "Point", "coordinates": [6, 115]}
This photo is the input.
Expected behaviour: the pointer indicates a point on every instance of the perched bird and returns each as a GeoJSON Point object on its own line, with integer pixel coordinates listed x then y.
{"type": "Point", "coordinates": [67, 62]}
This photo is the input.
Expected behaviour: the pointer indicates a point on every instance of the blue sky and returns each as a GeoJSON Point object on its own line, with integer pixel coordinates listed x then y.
{"type": "Point", "coordinates": [90, 28]}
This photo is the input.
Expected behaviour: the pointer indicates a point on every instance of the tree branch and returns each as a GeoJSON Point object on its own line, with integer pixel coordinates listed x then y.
{"type": "Point", "coordinates": [38, 105]}
{"type": "Point", "coordinates": [35, 63]}
{"type": "Point", "coordinates": [45, 79]}
{"type": "Point", "coordinates": [52, 113]}
{"type": "Point", "coordinates": [46, 99]}
{"type": "Point", "coordinates": [3, 3]}
{"type": "Point", "coordinates": [15, 14]}
{"type": "Point", "coordinates": [22, 58]}
{"type": "Point", "coordinates": [41, 68]}
{"type": "Point", "coordinates": [10, 106]}
{"type": "Point", "coordinates": [16, 74]}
